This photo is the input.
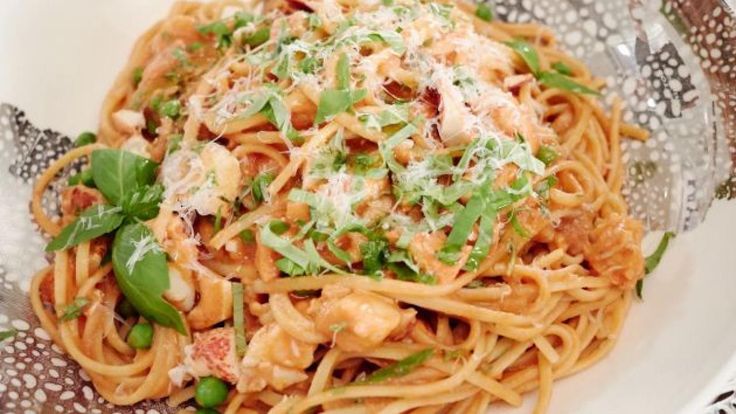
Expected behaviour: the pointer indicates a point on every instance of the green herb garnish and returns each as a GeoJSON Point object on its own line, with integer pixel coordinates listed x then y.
{"type": "Point", "coordinates": [484, 12]}
{"type": "Point", "coordinates": [74, 310]}
{"type": "Point", "coordinates": [397, 369]}
{"type": "Point", "coordinates": [651, 262]}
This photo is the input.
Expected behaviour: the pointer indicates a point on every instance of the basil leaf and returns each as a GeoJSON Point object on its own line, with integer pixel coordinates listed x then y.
{"type": "Point", "coordinates": [527, 53]}
{"type": "Point", "coordinates": [143, 203]}
{"type": "Point", "coordinates": [343, 72]}
{"type": "Point", "coordinates": [398, 368]}
{"type": "Point", "coordinates": [559, 81]}
{"type": "Point", "coordinates": [143, 275]}
{"type": "Point", "coordinates": [289, 267]}
{"type": "Point", "coordinates": [74, 310]}
{"type": "Point", "coordinates": [484, 241]}
{"type": "Point", "coordinates": [117, 172]}
{"type": "Point", "coordinates": [284, 247]}
{"type": "Point", "coordinates": [337, 101]}
{"type": "Point", "coordinates": [91, 223]}
{"type": "Point", "coordinates": [405, 273]}
{"type": "Point", "coordinates": [462, 227]}
{"type": "Point", "coordinates": [652, 261]}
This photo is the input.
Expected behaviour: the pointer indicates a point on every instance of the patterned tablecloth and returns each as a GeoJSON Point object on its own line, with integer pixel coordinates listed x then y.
{"type": "Point", "coordinates": [677, 74]}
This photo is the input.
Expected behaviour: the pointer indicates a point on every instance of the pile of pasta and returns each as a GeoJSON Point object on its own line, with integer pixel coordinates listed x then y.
{"type": "Point", "coordinates": [343, 206]}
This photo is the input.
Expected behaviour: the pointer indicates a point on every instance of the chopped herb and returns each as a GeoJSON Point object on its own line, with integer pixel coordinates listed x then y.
{"type": "Point", "coordinates": [374, 255]}
{"type": "Point", "coordinates": [559, 81]}
{"type": "Point", "coordinates": [545, 185]}
{"type": "Point", "coordinates": [194, 47]}
{"type": "Point", "coordinates": [85, 138]}
{"type": "Point", "coordinates": [258, 38]}
{"type": "Point", "coordinates": [313, 21]}
{"type": "Point", "coordinates": [137, 76]}
{"type": "Point", "coordinates": [527, 53]}
{"type": "Point", "coordinates": [220, 30]}
{"type": "Point", "coordinates": [405, 273]}
{"type": "Point", "coordinates": [518, 228]}
{"type": "Point", "coordinates": [397, 369]}
{"type": "Point", "coordinates": [484, 12]}
{"type": "Point", "coordinates": [341, 99]}
{"type": "Point", "coordinates": [180, 55]}
{"type": "Point", "coordinates": [452, 355]}
{"type": "Point", "coordinates": [239, 319]}
{"type": "Point", "coordinates": [338, 327]}
{"type": "Point", "coordinates": [174, 143]}
{"type": "Point", "coordinates": [259, 187]}
{"type": "Point", "coordinates": [74, 310]}
{"type": "Point", "coordinates": [651, 262]}
{"type": "Point", "coordinates": [562, 68]}
{"type": "Point", "coordinates": [289, 267]}
{"type": "Point", "coordinates": [547, 155]}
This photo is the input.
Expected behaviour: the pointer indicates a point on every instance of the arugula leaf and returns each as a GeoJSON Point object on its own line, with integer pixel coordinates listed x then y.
{"type": "Point", "coordinates": [241, 342]}
{"type": "Point", "coordinates": [74, 310]}
{"type": "Point", "coordinates": [559, 81]}
{"type": "Point", "coordinates": [117, 173]}
{"type": "Point", "coordinates": [398, 368]}
{"type": "Point", "coordinates": [651, 262]}
{"type": "Point", "coordinates": [527, 53]}
{"type": "Point", "coordinates": [143, 203]}
{"type": "Point", "coordinates": [143, 275]}
{"type": "Point", "coordinates": [91, 223]}
{"type": "Point", "coordinates": [8, 334]}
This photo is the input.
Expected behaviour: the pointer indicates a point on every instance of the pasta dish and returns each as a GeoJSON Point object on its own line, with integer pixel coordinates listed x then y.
{"type": "Point", "coordinates": [342, 206]}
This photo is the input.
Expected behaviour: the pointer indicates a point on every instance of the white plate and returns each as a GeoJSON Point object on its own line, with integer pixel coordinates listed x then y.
{"type": "Point", "coordinates": [59, 58]}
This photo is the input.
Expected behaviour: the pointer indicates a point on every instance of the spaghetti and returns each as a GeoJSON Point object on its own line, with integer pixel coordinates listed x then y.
{"type": "Point", "coordinates": [347, 206]}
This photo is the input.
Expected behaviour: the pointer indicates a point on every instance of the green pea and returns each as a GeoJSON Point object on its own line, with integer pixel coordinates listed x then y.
{"type": "Point", "coordinates": [85, 138]}
{"type": "Point", "coordinates": [83, 177]}
{"type": "Point", "coordinates": [207, 411]}
{"type": "Point", "coordinates": [170, 109]}
{"type": "Point", "coordinates": [210, 392]}
{"type": "Point", "coordinates": [141, 336]}
{"type": "Point", "coordinates": [126, 309]}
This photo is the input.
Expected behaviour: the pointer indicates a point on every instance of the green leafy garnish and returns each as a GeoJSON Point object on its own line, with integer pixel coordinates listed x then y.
{"type": "Point", "coordinates": [651, 262]}
{"type": "Point", "coordinates": [217, 225]}
{"type": "Point", "coordinates": [527, 53]}
{"type": "Point", "coordinates": [239, 320]}
{"type": "Point", "coordinates": [117, 173]}
{"type": "Point", "coordinates": [83, 177]}
{"type": "Point", "coordinates": [462, 227]}
{"type": "Point", "coordinates": [397, 369]}
{"type": "Point", "coordinates": [484, 12]}
{"type": "Point", "coordinates": [374, 255]}
{"type": "Point", "coordinates": [562, 68]}
{"type": "Point", "coordinates": [85, 138]}
{"type": "Point", "coordinates": [220, 30]}
{"type": "Point", "coordinates": [143, 203]}
{"type": "Point", "coordinates": [258, 37]}
{"type": "Point", "coordinates": [74, 310]}
{"type": "Point", "coordinates": [279, 226]}
{"type": "Point", "coordinates": [93, 222]}
{"type": "Point", "coordinates": [559, 81]}
{"type": "Point", "coordinates": [547, 155]}
{"type": "Point", "coordinates": [341, 99]}
{"type": "Point", "coordinates": [259, 187]}
{"type": "Point", "coordinates": [143, 275]}
{"type": "Point", "coordinates": [289, 267]}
